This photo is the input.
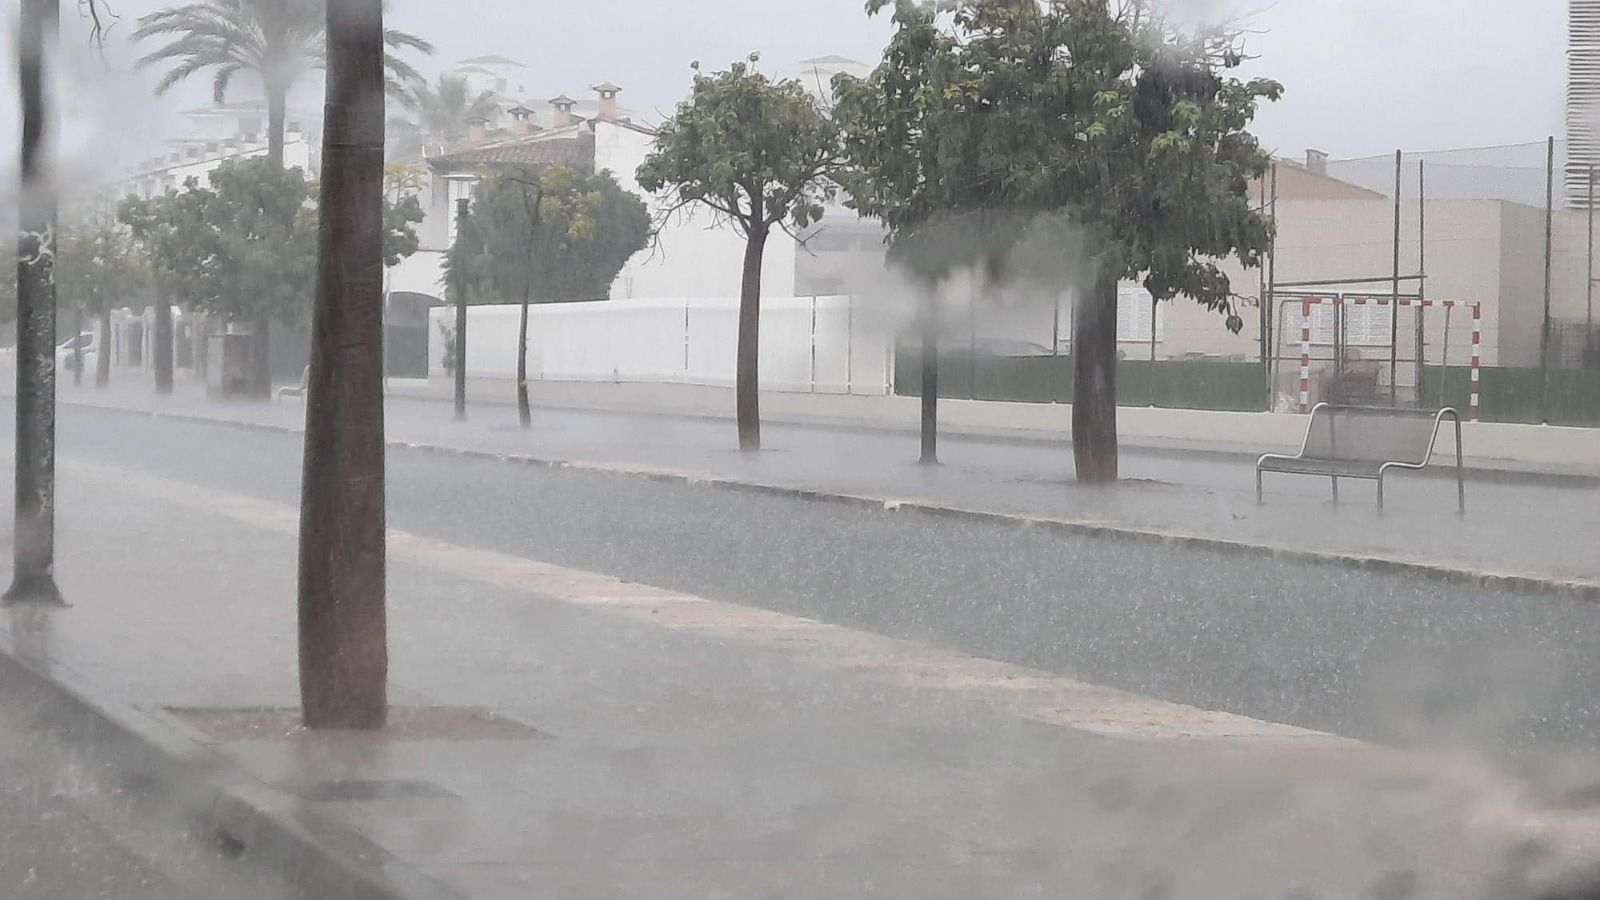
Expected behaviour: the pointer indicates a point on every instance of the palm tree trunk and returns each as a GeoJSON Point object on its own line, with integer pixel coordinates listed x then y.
{"type": "Point", "coordinates": [343, 630]}
{"type": "Point", "coordinates": [462, 280]}
{"type": "Point", "coordinates": [277, 112]}
{"type": "Point", "coordinates": [102, 360]}
{"type": "Point", "coordinates": [747, 385]}
{"type": "Point", "coordinates": [524, 412]}
{"type": "Point", "coordinates": [1094, 389]}
{"type": "Point", "coordinates": [261, 377]}
{"type": "Point", "coordinates": [163, 346]}
{"type": "Point", "coordinates": [34, 537]}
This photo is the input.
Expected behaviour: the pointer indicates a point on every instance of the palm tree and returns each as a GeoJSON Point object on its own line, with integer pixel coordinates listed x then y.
{"type": "Point", "coordinates": [445, 110]}
{"type": "Point", "coordinates": [277, 40]}
{"type": "Point", "coordinates": [343, 633]}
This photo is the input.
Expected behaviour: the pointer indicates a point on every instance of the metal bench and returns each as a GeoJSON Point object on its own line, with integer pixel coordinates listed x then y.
{"type": "Point", "coordinates": [298, 390]}
{"type": "Point", "coordinates": [1366, 442]}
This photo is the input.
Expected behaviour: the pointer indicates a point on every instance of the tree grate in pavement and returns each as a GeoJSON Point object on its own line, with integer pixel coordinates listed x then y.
{"type": "Point", "coordinates": [406, 723]}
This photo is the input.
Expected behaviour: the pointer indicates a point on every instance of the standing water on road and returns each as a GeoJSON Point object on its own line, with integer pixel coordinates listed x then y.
{"type": "Point", "coordinates": [968, 449]}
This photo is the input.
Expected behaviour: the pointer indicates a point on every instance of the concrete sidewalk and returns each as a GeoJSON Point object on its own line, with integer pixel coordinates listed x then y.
{"type": "Point", "coordinates": [560, 733]}
{"type": "Point", "coordinates": [1488, 445]}
{"type": "Point", "coordinates": [1517, 529]}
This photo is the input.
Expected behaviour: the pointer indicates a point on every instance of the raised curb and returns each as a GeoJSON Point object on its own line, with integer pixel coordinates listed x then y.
{"type": "Point", "coordinates": [272, 829]}
{"type": "Point", "coordinates": [1520, 582]}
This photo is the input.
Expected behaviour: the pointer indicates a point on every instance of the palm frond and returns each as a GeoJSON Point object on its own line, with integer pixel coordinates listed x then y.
{"type": "Point", "coordinates": [221, 80]}
{"type": "Point", "coordinates": [401, 40]}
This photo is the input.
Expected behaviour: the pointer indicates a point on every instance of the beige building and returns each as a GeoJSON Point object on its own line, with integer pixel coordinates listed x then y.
{"type": "Point", "coordinates": [1487, 251]}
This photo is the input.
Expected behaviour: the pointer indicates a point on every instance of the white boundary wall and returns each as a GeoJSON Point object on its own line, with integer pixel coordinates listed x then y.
{"type": "Point", "coordinates": [810, 344]}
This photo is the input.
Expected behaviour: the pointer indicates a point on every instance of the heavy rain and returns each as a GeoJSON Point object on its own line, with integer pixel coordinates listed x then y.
{"type": "Point", "coordinates": [962, 449]}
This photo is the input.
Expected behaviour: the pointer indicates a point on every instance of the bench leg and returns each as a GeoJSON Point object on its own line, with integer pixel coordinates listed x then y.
{"type": "Point", "coordinates": [1335, 489]}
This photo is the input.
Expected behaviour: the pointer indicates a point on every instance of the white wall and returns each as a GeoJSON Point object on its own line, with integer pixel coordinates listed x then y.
{"type": "Point", "coordinates": [823, 344]}
{"type": "Point", "coordinates": [420, 273]}
{"type": "Point", "coordinates": [693, 255]}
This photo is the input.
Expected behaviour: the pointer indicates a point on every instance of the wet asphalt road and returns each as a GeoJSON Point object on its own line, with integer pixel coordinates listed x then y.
{"type": "Point", "coordinates": [1393, 657]}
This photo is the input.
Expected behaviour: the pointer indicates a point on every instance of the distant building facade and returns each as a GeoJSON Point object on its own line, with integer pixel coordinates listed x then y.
{"type": "Point", "coordinates": [690, 255]}
{"type": "Point", "coordinates": [214, 135]}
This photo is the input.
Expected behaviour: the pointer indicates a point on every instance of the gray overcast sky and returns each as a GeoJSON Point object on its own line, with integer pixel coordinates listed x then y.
{"type": "Point", "coordinates": [1362, 76]}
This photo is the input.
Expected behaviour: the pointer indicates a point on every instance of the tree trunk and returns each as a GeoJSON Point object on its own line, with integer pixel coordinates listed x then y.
{"type": "Point", "coordinates": [930, 378]}
{"type": "Point", "coordinates": [163, 346]}
{"type": "Point", "coordinates": [524, 413]}
{"type": "Point", "coordinates": [77, 346]}
{"type": "Point", "coordinates": [102, 360]}
{"type": "Point", "coordinates": [200, 333]}
{"type": "Point", "coordinates": [34, 535]}
{"type": "Point", "coordinates": [344, 660]}
{"type": "Point", "coordinates": [462, 280]}
{"type": "Point", "coordinates": [1094, 390]}
{"type": "Point", "coordinates": [747, 383]}
{"type": "Point", "coordinates": [277, 104]}
{"type": "Point", "coordinates": [261, 373]}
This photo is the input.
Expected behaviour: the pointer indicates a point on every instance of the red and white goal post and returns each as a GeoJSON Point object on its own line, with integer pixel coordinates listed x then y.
{"type": "Point", "coordinates": [1336, 300]}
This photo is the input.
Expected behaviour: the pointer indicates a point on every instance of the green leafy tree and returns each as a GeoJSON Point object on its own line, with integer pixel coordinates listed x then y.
{"type": "Point", "coordinates": [759, 154]}
{"type": "Point", "coordinates": [8, 301]}
{"type": "Point", "coordinates": [278, 41]}
{"type": "Point", "coordinates": [179, 245]}
{"type": "Point", "coordinates": [243, 249]}
{"type": "Point", "coordinates": [97, 269]}
{"type": "Point", "coordinates": [549, 235]}
{"type": "Point", "coordinates": [927, 157]}
{"type": "Point", "coordinates": [1095, 121]}
{"type": "Point", "coordinates": [446, 109]}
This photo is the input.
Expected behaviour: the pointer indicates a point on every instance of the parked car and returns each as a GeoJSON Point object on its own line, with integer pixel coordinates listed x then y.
{"type": "Point", "coordinates": [1009, 347]}
{"type": "Point", "coordinates": [89, 344]}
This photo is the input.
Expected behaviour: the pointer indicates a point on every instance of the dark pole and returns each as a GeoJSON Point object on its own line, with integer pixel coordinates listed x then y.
{"type": "Point", "coordinates": [1261, 311]}
{"type": "Point", "coordinates": [1394, 302]}
{"type": "Point", "coordinates": [344, 661]}
{"type": "Point", "coordinates": [34, 536]}
{"type": "Point", "coordinates": [1549, 228]}
{"type": "Point", "coordinates": [1055, 326]}
{"type": "Point", "coordinates": [1422, 273]}
{"type": "Point", "coordinates": [1152, 379]}
{"type": "Point", "coordinates": [462, 211]}
{"type": "Point", "coordinates": [1271, 298]}
{"type": "Point", "coordinates": [1588, 294]}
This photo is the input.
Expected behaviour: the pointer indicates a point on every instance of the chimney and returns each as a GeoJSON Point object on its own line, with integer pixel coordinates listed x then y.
{"type": "Point", "coordinates": [1316, 162]}
{"type": "Point", "coordinates": [563, 105]}
{"type": "Point", "coordinates": [608, 100]}
{"type": "Point", "coordinates": [522, 119]}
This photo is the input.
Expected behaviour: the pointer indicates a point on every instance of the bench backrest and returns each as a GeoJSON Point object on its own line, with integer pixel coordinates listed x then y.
{"type": "Point", "coordinates": [1371, 434]}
